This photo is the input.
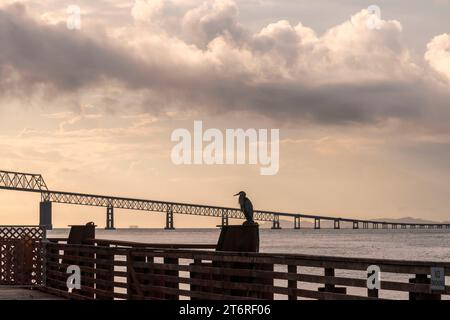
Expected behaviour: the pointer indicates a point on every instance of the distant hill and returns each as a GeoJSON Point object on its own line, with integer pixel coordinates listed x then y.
{"type": "Point", "coordinates": [410, 220]}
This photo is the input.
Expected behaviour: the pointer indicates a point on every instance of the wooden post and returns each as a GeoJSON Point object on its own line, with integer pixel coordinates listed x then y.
{"type": "Point", "coordinates": [422, 278]}
{"type": "Point", "coordinates": [329, 287]}
{"type": "Point", "coordinates": [292, 284]}
{"type": "Point", "coordinates": [105, 272]}
{"type": "Point", "coordinates": [174, 273]}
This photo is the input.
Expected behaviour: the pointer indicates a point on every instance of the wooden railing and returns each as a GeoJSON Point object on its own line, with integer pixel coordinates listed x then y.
{"type": "Point", "coordinates": [21, 255]}
{"type": "Point", "coordinates": [124, 270]}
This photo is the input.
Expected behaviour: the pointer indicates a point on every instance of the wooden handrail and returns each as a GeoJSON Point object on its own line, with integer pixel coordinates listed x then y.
{"type": "Point", "coordinates": [122, 243]}
{"type": "Point", "coordinates": [159, 271]}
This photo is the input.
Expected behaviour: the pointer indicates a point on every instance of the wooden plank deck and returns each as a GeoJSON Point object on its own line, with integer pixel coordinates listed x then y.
{"type": "Point", "coordinates": [11, 293]}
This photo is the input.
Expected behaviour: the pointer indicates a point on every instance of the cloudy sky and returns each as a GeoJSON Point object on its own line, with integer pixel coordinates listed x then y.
{"type": "Point", "coordinates": [363, 113]}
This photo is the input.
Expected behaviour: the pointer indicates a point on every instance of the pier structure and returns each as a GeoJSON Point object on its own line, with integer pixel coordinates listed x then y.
{"type": "Point", "coordinates": [27, 182]}
{"type": "Point", "coordinates": [212, 271]}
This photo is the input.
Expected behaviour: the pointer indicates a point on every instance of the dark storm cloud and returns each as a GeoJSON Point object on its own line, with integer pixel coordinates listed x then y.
{"type": "Point", "coordinates": [55, 55]}
{"type": "Point", "coordinates": [67, 61]}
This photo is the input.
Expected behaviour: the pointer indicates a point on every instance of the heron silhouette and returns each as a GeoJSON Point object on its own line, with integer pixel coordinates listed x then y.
{"type": "Point", "coordinates": [246, 206]}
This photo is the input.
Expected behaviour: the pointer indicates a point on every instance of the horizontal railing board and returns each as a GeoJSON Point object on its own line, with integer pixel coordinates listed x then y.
{"type": "Point", "coordinates": [276, 275]}
{"type": "Point", "coordinates": [271, 258]}
{"type": "Point", "coordinates": [154, 245]}
{"type": "Point", "coordinates": [319, 262]}
{"type": "Point", "coordinates": [85, 259]}
{"type": "Point", "coordinates": [88, 279]}
{"type": "Point", "coordinates": [89, 290]}
{"type": "Point", "coordinates": [84, 268]}
{"type": "Point", "coordinates": [193, 294]}
{"type": "Point", "coordinates": [85, 248]}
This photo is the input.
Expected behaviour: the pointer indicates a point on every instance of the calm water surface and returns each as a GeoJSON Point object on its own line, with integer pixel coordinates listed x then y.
{"type": "Point", "coordinates": [389, 244]}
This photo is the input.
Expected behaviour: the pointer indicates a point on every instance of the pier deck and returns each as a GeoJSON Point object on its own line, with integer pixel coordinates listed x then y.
{"type": "Point", "coordinates": [9, 293]}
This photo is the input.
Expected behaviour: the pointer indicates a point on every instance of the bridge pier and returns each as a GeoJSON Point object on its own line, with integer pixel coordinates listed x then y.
{"type": "Point", "coordinates": [374, 225]}
{"type": "Point", "coordinates": [355, 225]}
{"type": "Point", "coordinates": [337, 224]}
{"type": "Point", "coordinates": [45, 215]}
{"type": "Point", "coordinates": [296, 222]}
{"type": "Point", "coordinates": [276, 222]}
{"type": "Point", "coordinates": [316, 223]}
{"type": "Point", "coordinates": [403, 226]}
{"type": "Point", "coordinates": [224, 218]}
{"type": "Point", "coordinates": [110, 218]}
{"type": "Point", "coordinates": [169, 220]}
{"type": "Point", "coordinates": [365, 225]}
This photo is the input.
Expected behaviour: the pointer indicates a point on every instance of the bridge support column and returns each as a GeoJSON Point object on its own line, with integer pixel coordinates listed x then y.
{"type": "Point", "coordinates": [296, 222]}
{"type": "Point", "coordinates": [365, 225]}
{"type": "Point", "coordinates": [355, 225]}
{"type": "Point", "coordinates": [224, 218]}
{"type": "Point", "coordinates": [45, 215]}
{"type": "Point", "coordinates": [169, 220]}
{"type": "Point", "coordinates": [375, 225]}
{"type": "Point", "coordinates": [316, 223]}
{"type": "Point", "coordinates": [110, 218]}
{"type": "Point", "coordinates": [337, 224]}
{"type": "Point", "coordinates": [403, 226]}
{"type": "Point", "coordinates": [276, 222]}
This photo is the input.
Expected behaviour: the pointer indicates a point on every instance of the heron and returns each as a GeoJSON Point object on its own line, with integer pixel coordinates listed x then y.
{"type": "Point", "coordinates": [246, 206]}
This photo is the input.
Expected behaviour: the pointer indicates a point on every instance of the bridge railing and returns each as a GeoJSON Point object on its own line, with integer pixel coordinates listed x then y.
{"type": "Point", "coordinates": [124, 270]}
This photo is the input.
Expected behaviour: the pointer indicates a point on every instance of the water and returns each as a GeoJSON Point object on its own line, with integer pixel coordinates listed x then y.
{"type": "Point", "coordinates": [429, 245]}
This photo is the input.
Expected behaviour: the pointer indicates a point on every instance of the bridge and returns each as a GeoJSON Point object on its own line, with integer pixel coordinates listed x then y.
{"type": "Point", "coordinates": [29, 182]}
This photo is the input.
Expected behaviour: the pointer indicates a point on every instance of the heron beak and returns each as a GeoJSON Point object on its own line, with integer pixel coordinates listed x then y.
{"type": "Point", "coordinates": [236, 194]}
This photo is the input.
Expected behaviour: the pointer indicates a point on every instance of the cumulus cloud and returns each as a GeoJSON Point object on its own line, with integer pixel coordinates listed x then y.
{"type": "Point", "coordinates": [211, 63]}
{"type": "Point", "coordinates": [211, 20]}
{"type": "Point", "coordinates": [144, 10]}
{"type": "Point", "coordinates": [438, 54]}
{"type": "Point", "coordinates": [38, 54]}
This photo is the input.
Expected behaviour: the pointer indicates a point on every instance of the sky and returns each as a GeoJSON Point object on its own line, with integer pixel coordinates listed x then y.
{"type": "Point", "coordinates": [363, 112]}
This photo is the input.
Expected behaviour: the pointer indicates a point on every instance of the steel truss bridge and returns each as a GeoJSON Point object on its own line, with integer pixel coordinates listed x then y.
{"type": "Point", "coordinates": [29, 182]}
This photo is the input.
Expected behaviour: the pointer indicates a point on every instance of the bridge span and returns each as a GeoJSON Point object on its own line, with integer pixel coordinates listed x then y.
{"type": "Point", "coordinates": [29, 182]}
